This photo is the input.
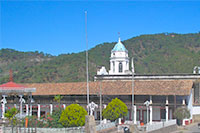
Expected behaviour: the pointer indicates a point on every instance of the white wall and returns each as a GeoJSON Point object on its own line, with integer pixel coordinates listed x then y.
{"type": "Point", "coordinates": [190, 103]}
{"type": "Point", "coordinates": [156, 113]}
{"type": "Point", "coordinates": [196, 110]}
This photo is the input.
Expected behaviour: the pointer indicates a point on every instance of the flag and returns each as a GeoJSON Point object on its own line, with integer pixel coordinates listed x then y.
{"type": "Point", "coordinates": [133, 68]}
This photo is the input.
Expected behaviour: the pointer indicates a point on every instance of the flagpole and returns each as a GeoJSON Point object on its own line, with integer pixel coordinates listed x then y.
{"type": "Point", "coordinates": [133, 72]}
{"type": "Point", "coordinates": [87, 60]}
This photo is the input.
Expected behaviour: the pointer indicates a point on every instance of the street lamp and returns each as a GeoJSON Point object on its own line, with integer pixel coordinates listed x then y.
{"type": "Point", "coordinates": [147, 103]}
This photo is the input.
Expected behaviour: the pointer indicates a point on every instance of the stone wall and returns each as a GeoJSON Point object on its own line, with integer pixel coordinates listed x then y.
{"type": "Point", "coordinates": [196, 118]}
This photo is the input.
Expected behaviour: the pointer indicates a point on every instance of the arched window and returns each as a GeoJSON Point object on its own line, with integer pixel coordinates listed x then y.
{"type": "Point", "coordinates": [113, 66]}
{"type": "Point", "coordinates": [120, 67]}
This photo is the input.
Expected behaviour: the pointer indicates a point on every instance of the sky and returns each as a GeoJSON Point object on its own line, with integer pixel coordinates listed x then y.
{"type": "Point", "coordinates": [58, 27]}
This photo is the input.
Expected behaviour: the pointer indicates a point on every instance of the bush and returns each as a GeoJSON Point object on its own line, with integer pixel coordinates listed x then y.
{"type": "Point", "coordinates": [182, 113]}
{"type": "Point", "coordinates": [115, 109]}
{"type": "Point", "coordinates": [10, 115]}
{"type": "Point", "coordinates": [73, 116]}
{"type": "Point", "coordinates": [53, 120]}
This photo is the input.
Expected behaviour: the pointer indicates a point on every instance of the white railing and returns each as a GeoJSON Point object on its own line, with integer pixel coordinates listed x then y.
{"type": "Point", "coordinates": [159, 125]}
{"type": "Point", "coordinates": [154, 126]}
{"type": "Point", "coordinates": [169, 123]}
{"type": "Point", "coordinates": [105, 126]}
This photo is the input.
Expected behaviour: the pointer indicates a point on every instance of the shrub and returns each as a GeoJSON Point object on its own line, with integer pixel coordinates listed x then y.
{"type": "Point", "coordinates": [182, 113]}
{"type": "Point", "coordinates": [10, 115]}
{"type": "Point", "coordinates": [73, 116]}
{"type": "Point", "coordinates": [115, 109]}
{"type": "Point", "coordinates": [53, 120]}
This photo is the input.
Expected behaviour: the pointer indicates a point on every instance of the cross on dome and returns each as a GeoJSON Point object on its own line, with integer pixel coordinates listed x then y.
{"type": "Point", "coordinates": [119, 47]}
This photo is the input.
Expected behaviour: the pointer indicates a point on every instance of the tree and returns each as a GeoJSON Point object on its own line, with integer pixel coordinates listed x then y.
{"type": "Point", "coordinates": [115, 109]}
{"type": "Point", "coordinates": [58, 98]}
{"type": "Point", "coordinates": [181, 113]}
{"type": "Point", "coordinates": [73, 116]}
{"type": "Point", "coordinates": [10, 114]}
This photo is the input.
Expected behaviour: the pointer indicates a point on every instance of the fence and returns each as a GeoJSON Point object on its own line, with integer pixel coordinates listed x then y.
{"type": "Point", "coordinates": [105, 126]}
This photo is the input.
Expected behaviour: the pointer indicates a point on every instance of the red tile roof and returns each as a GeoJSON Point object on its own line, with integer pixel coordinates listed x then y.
{"type": "Point", "coordinates": [141, 87]}
{"type": "Point", "coordinates": [11, 85]}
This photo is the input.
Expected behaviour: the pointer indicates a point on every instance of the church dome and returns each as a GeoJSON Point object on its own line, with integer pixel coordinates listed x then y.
{"type": "Point", "coordinates": [119, 47]}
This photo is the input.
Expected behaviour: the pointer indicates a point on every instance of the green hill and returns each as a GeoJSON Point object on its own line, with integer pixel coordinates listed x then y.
{"type": "Point", "coordinates": [158, 53]}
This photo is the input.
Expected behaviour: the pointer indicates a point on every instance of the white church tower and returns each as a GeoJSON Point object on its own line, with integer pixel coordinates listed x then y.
{"type": "Point", "coordinates": [119, 60]}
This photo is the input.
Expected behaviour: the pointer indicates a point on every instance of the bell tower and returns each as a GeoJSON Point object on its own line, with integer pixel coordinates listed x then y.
{"type": "Point", "coordinates": [119, 60]}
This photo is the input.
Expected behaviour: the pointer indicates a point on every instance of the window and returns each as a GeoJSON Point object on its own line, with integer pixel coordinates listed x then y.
{"type": "Point", "coordinates": [113, 66]}
{"type": "Point", "coordinates": [120, 67]}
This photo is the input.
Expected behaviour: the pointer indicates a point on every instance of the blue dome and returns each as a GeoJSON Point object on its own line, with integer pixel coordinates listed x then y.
{"type": "Point", "coordinates": [119, 47]}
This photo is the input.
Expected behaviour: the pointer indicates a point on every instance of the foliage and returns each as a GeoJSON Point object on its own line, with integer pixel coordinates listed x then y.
{"type": "Point", "coordinates": [152, 53]}
{"type": "Point", "coordinates": [73, 116]}
{"type": "Point", "coordinates": [50, 121]}
{"type": "Point", "coordinates": [10, 115]}
{"type": "Point", "coordinates": [115, 109]}
{"type": "Point", "coordinates": [58, 98]}
{"type": "Point", "coordinates": [53, 120]}
{"type": "Point", "coordinates": [182, 113]}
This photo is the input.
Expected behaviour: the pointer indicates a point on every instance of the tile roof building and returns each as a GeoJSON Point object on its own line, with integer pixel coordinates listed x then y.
{"type": "Point", "coordinates": [165, 92]}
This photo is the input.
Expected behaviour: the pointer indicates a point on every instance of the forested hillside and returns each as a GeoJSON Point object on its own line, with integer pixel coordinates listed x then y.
{"type": "Point", "coordinates": [158, 53]}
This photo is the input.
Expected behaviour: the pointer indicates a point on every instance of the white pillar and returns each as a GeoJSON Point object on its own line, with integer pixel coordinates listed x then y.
{"type": "Point", "coordinates": [183, 101]}
{"type": "Point", "coordinates": [26, 109]}
{"type": "Point", "coordinates": [38, 111]}
{"type": "Point", "coordinates": [167, 101]}
{"type": "Point", "coordinates": [111, 66]}
{"type": "Point", "coordinates": [167, 109]}
{"type": "Point", "coordinates": [167, 112]}
{"type": "Point", "coordinates": [151, 114]}
{"type": "Point", "coordinates": [104, 120]}
{"type": "Point", "coordinates": [147, 114]}
{"type": "Point", "coordinates": [151, 110]}
{"type": "Point", "coordinates": [51, 109]}
{"type": "Point", "coordinates": [120, 120]}
{"type": "Point", "coordinates": [31, 110]}
{"type": "Point", "coordinates": [135, 115]}
{"type": "Point", "coordinates": [3, 110]}
{"type": "Point", "coordinates": [64, 106]}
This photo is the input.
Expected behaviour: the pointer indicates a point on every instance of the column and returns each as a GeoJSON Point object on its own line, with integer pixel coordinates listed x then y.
{"type": "Point", "coordinates": [51, 109]}
{"type": "Point", "coordinates": [38, 111]}
{"type": "Point", "coordinates": [64, 106]}
{"type": "Point", "coordinates": [183, 101]}
{"type": "Point", "coordinates": [151, 110]}
{"type": "Point", "coordinates": [135, 115]}
{"type": "Point", "coordinates": [3, 110]}
{"type": "Point", "coordinates": [26, 109]}
{"type": "Point", "coordinates": [3, 102]}
{"type": "Point", "coordinates": [111, 66]}
{"type": "Point", "coordinates": [167, 109]}
{"type": "Point", "coordinates": [31, 110]}
{"type": "Point", "coordinates": [167, 112]}
{"type": "Point", "coordinates": [151, 113]}
{"type": "Point", "coordinates": [104, 120]}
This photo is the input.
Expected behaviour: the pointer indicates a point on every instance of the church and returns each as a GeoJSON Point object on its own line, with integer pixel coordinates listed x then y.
{"type": "Point", "coordinates": [149, 97]}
